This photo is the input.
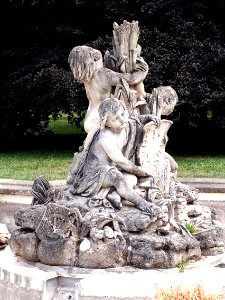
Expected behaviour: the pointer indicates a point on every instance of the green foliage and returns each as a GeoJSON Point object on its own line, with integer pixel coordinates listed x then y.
{"type": "Point", "coordinates": [191, 228]}
{"type": "Point", "coordinates": [182, 265]}
{"type": "Point", "coordinates": [36, 81]}
{"type": "Point", "coordinates": [29, 101]}
{"type": "Point", "coordinates": [182, 41]}
{"type": "Point", "coordinates": [187, 53]}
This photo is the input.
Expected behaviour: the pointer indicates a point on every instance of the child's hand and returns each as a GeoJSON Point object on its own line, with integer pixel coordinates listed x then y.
{"type": "Point", "coordinates": [156, 120]}
{"type": "Point", "coordinates": [143, 172]}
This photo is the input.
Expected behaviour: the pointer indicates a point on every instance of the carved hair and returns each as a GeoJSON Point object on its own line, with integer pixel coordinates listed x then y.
{"type": "Point", "coordinates": [81, 60]}
{"type": "Point", "coordinates": [161, 95]}
{"type": "Point", "coordinates": [167, 94]}
{"type": "Point", "coordinates": [108, 105]}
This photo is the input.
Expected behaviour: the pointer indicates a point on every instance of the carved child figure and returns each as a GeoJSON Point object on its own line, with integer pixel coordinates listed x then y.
{"type": "Point", "coordinates": [161, 102]}
{"type": "Point", "coordinates": [86, 64]}
{"type": "Point", "coordinates": [105, 164]}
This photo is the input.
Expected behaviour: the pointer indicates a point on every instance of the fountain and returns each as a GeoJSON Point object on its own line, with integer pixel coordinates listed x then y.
{"type": "Point", "coordinates": [122, 208]}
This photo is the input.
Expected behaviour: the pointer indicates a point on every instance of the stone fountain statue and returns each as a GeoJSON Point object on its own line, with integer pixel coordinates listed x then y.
{"type": "Point", "coordinates": [122, 203]}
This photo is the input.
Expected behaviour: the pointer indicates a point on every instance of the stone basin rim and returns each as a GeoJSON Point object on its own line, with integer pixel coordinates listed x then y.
{"type": "Point", "coordinates": [208, 185]}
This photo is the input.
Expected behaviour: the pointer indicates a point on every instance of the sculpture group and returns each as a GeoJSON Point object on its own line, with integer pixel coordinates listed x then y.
{"type": "Point", "coordinates": [122, 203]}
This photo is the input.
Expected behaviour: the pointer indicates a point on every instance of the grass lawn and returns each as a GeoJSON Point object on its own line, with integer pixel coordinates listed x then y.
{"type": "Point", "coordinates": [61, 127]}
{"type": "Point", "coordinates": [54, 164]}
{"type": "Point", "coordinates": [201, 166]}
{"type": "Point", "coordinates": [27, 165]}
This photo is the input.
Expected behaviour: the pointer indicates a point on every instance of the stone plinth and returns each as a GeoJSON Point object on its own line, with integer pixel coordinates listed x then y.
{"type": "Point", "coordinates": [20, 280]}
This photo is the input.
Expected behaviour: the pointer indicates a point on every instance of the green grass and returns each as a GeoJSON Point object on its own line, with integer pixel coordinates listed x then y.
{"type": "Point", "coordinates": [201, 166]}
{"type": "Point", "coordinates": [191, 227]}
{"type": "Point", "coordinates": [182, 265]}
{"type": "Point", "coordinates": [27, 165]}
{"type": "Point", "coordinates": [61, 127]}
{"type": "Point", "coordinates": [54, 164]}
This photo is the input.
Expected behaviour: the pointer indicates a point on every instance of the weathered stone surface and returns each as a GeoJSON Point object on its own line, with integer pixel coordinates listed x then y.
{"type": "Point", "coordinates": [211, 241]}
{"type": "Point", "coordinates": [25, 244]}
{"type": "Point", "coordinates": [135, 220]}
{"type": "Point", "coordinates": [29, 218]}
{"type": "Point", "coordinates": [4, 236]}
{"type": "Point", "coordinates": [76, 201]}
{"type": "Point", "coordinates": [59, 252]}
{"type": "Point", "coordinates": [103, 254]}
{"type": "Point", "coordinates": [162, 252]}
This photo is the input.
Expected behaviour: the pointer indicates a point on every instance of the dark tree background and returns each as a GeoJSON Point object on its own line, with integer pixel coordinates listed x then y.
{"type": "Point", "coordinates": [182, 41]}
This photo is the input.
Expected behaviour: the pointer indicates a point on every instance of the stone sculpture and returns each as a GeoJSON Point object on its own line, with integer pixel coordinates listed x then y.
{"type": "Point", "coordinates": [122, 203]}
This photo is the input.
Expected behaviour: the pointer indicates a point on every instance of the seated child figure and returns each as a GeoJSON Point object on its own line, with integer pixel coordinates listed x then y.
{"type": "Point", "coordinates": [104, 164]}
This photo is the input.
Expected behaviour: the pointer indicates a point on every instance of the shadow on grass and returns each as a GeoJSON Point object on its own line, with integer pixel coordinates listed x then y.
{"type": "Point", "coordinates": [47, 142]}
{"type": "Point", "coordinates": [189, 142]}
{"type": "Point", "coordinates": [195, 142]}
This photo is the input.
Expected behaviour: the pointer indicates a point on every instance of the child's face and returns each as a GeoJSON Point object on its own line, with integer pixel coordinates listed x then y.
{"type": "Point", "coordinates": [117, 121]}
{"type": "Point", "coordinates": [98, 59]}
{"type": "Point", "coordinates": [167, 108]}
{"type": "Point", "coordinates": [167, 99]}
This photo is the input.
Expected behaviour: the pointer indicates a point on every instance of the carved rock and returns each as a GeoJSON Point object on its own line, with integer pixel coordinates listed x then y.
{"type": "Point", "coordinates": [103, 254]}
{"type": "Point", "coordinates": [211, 241]}
{"type": "Point", "coordinates": [25, 244]}
{"type": "Point", "coordinates": [163, 252]}
{"type": "Point", "coordinates": [60, 252]}
{"type": "Point", "coordinates": [29, 218]}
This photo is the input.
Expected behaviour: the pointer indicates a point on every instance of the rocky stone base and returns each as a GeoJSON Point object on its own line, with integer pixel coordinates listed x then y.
{"type": "Point", "coordinates": [103, 238]}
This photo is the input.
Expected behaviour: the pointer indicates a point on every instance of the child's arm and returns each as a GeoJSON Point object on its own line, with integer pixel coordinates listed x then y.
{"type": "Point", "coordinates": [137, 75]}
{"type": "Point", "coordinates": [144, 119]}
{"type": "Point", "coordinates": [112, 150]}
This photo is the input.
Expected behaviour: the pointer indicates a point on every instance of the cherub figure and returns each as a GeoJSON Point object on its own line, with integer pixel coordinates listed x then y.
{"type": "Point", "coordinates": [161, 102]}
{"type": "Point", "coordinates": [105, 165]}
{"type": "Point", "coordinates": [86, 64]}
